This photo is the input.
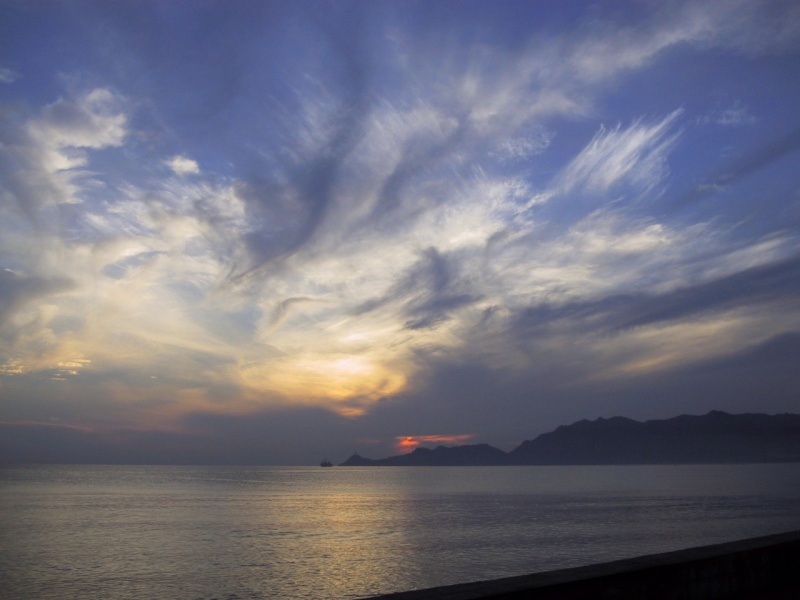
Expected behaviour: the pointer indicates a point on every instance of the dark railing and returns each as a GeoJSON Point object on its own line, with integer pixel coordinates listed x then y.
{"type": "Point", "coordinates": [760, 569]}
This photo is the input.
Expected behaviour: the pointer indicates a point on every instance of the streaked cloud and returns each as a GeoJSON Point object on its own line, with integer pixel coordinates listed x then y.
{"type": "Point", "coordinates": [636, 156]}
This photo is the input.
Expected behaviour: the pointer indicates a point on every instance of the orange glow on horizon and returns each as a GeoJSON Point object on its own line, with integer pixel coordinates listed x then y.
{"type": "Point", "coordinates": [407, 443]}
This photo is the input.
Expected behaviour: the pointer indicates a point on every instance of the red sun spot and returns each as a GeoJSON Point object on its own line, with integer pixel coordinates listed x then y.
{"type": "Point", "coordinates": [406, 443]}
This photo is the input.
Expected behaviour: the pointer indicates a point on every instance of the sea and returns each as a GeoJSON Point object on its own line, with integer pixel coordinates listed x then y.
{"type": "Point", "coordinates": [235, 533]}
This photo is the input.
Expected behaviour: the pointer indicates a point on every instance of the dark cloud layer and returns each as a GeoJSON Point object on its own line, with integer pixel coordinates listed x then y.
{"type": "Point", "coordinates": [767, 287]}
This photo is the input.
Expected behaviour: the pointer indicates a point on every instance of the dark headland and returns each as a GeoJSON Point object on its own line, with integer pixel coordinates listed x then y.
{"type": "Point", "coordinates": [716, 437]}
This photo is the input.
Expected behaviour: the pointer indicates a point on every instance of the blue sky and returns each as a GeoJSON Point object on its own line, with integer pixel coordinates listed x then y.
{"type": "Point", "coordinates": [270, 231]}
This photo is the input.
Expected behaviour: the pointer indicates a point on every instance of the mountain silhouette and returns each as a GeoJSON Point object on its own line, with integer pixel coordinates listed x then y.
{"type": "Point", "coordinates": [716, 437]}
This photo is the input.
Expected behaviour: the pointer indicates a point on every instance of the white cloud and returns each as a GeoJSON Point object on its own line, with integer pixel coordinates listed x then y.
{"type": "Point", "coordinates": [523, 146]}
{"type": "Point", "coordinates": [51, 150]}
{"type": "Point", "coordinates": [636, 156]}
{"type": "Point", "coordinates": [7, 75]}
{"type": "Point", "coordinates": [609, 50]}
{"type": "Point", "coordinates": [94, 120]}
{"type": "Point", "coordinates": [734, 115]}
{"type": "Point", "coordinates": [757, 27]}
{"type": "Point", "coordinates": [182, 165]}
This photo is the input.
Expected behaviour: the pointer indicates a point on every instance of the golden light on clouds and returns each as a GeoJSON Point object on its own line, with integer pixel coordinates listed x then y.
{"type": "Point", "coordinates": [346, 384]}
{"type": "Point", "coordinates": [658, 348]}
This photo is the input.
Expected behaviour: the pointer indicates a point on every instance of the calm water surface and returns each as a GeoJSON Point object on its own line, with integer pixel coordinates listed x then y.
{"type": "Point", "coordinates": [230, 533]}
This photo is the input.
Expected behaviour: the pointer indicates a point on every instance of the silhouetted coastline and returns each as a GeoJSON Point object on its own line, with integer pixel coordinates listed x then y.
{"type": "Point", "coordinates": [716, 437]}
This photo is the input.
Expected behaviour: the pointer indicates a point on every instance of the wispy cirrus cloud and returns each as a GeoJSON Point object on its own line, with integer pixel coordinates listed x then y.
{"type": "Point", "coordinates": [636, 156]}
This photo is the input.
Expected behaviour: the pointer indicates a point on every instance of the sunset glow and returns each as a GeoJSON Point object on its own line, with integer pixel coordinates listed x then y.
{"type": "Point", "coordinates": [407, 443]}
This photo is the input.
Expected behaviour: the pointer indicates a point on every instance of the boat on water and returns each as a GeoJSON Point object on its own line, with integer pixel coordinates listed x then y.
{"type": "Point", "coordinates": [326, 463]}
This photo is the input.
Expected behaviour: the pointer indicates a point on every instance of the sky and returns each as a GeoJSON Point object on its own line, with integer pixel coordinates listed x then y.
{"type": "Point", "coordinates": [274, 232]}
